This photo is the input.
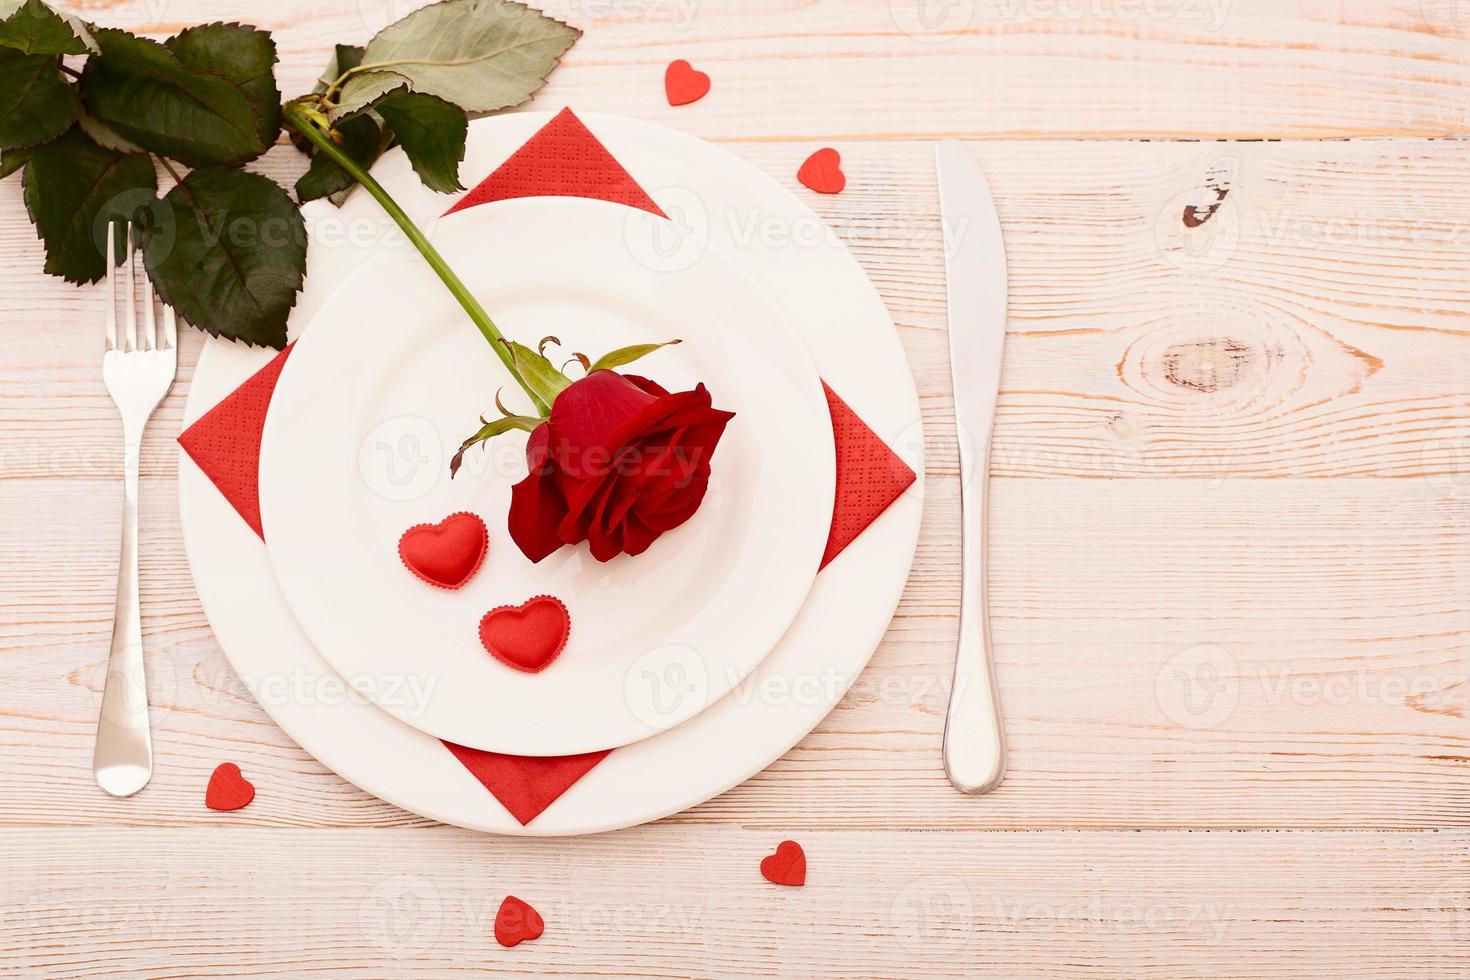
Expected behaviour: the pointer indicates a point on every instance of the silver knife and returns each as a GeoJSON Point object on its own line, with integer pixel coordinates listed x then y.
{"type": "Point", "coordinates": [975, 271]}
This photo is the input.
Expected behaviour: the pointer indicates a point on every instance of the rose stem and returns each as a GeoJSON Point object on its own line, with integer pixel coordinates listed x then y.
{"type": "Point", "coordinates": [301, 120]}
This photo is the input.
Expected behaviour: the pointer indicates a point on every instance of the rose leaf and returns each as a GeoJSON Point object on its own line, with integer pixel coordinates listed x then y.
{"type": "Point", "coordinates": [73, 189]}
{"type": "Point", "coordinates": [32, 27]}
{"type": "Point", "coordinates": [228, 252]}
{"type": "Point", "coordinates": [244, 55]}
{"type": "Point", "coordinates": [481, 55]}
{"type": "Point", "coordinates": [141, 90]}
{"type": "Point", "coordinates": [361, 138]}
{"type": "Point", "coordinates": [36, 104]}
{"type": "Point", "coordinates": [13, 160]}
{"type": "Point", "coordinates": [432, 132]}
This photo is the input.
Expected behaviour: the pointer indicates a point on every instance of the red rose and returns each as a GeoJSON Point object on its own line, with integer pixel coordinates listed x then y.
{"type": "Point", "coordinates": [619, 462]}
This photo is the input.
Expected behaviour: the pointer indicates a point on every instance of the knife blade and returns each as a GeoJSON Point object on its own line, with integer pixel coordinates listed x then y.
{"type": "Point", "coordinates": [975, 275]}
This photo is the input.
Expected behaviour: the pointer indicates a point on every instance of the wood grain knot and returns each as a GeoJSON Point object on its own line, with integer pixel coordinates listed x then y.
{"type": "Point", "coordinates": [1206, 199]}
{"type": "Point", "coordinates": [1207, 365]}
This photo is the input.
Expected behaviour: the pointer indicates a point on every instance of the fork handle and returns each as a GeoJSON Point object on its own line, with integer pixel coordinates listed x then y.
{"type": "Point", "coordinates": [123, 759]}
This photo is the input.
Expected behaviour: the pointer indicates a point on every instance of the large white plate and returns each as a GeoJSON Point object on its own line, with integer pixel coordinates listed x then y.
{"type": "Point", "coordinates": [392, 356]}
{"type": "Point", "coordinates": [856, 349]}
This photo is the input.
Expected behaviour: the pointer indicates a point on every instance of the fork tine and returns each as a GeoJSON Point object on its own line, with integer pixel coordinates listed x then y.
{"type": "Point", "coordinates": [170, 328]}
{"type": "Point", "coordinates": [150, 319]}
{"type": "Point", "coordinates": [131, 315]}
{"type": "Point", "coordinates": [112, 285]}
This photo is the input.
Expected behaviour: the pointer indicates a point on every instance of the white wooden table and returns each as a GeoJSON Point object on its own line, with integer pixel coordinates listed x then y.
{"type": "Point", "coordinates": [1231, 540]}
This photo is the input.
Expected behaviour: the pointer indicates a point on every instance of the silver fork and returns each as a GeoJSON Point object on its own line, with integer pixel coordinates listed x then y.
{"type": "Point", "coordinates": [138, 369]}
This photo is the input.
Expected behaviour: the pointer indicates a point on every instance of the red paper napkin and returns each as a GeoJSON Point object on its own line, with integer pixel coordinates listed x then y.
{"type": "Point", "coordinates": [563, 159]}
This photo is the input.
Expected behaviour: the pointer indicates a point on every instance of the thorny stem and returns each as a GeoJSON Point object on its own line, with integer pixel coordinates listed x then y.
{"type": "Point", "coordinates": [309, 121]}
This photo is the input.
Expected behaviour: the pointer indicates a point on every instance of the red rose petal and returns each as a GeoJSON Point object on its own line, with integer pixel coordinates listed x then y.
{"type": "Point", "coordinates": [822, 172]}
{"type": "Point", "coordinates": [527, 637]}
{"type": "Point", "coordinates": [448, 554]}
{"type": "Point", "coordinates": [228, 790]}
{"type": "Point", "coordinates": [683, 85]}
{"type": "Point", "coordinates": [787, 866]}
{"type": "Point", "coordinates": [517, 922]}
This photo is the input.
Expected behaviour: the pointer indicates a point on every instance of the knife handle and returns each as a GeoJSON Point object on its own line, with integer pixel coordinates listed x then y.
{"type": "Point", "coordinates": [974, 740]}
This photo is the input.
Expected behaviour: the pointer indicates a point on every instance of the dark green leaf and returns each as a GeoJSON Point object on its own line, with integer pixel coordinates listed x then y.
{"type": "Point", "coordinates": [626, 355]}
{"type": "Point", "coordinates": [432, 133]}
{"type": "Point", "coordinates": [228, 252]}
{"type": "Point", "coordinates": [36, 104]}
{"type": "Point", "coordinates": [73, 189]}
{"type": "Point", "coordinates": [244, 55]}
{"type": "Point", "coordinates": [361, 139]}
{"type": "Point", "coordinates": [540, 375]}
{"type": "Point", "coordinates": [13, 160]}
{"type": "Point", "coordinates": [488, 431]}
{"type": "Point", "coordinates": [345, 57]}
{"type": "Point", "coordinates": [481, 55]}
{"type": "Point", "coordinates": [104, 136]}
{"type": "Point", "coordinates": [34, 28]}
{"type": "Point", "coordinates": [142, 91]}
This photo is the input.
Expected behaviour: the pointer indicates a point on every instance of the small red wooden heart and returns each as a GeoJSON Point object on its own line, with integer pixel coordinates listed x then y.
{"type": "Point", "coordinates": [529, 636]}
{"type": "Point", "coordinates": [822, 172]}
{"type": "Point", "coordinates": [787, 866]}
{"type": "Point", "coordinates": [447, 554]}
{"type": "Point", "coordinates": [683, 85]}
{"type": "Point", "coordinates": [517, 922]}
{"type": "Point", "coordinates": [228, 790]}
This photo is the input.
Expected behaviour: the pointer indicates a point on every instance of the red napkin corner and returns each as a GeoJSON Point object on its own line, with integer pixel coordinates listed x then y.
{"type": "Point", "coordinates": [563, 159]}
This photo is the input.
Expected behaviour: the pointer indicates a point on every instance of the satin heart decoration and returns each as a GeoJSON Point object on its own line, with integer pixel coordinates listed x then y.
{"type": "Point", "coordinates": [787, 866]}
{"type": "Point", "coordinates": [683, 85]}
{"type": "Point", "coordinates": [822, 172]}
{"type": "Point", "coordinates": [517, 922]}
{"type": "Point", "coordinates": [448, 554]}
{"type": "Point", "coordinates": [529, 636]}
{"type": "Point", "coordinates": [228, 790]}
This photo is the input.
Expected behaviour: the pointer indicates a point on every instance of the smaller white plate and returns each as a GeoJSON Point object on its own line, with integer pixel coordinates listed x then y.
{"type": "Point", "coordinates": [392, 374]}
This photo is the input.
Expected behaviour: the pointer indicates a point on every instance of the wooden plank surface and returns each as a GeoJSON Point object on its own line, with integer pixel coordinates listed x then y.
{"type": "Point", "coordinates": [1233, 465]}
{"type": "Point", "coordinates": [884, 69]}
{"type": "Point", "coordinates": [679, 902]}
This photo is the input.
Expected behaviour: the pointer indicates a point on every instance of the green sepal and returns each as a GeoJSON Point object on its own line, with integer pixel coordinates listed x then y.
{"type": "Point", "coordinates": [539, 374]}
{"type": "Point", "coordinates": [488, 431]}
{"type": "Point", "coordinates": [626, 355]}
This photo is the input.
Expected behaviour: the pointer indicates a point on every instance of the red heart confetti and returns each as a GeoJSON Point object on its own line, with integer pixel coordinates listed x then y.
{"type": "Point", "coordinates": [529, 636]}
{"type": "Point", "coordinates": [822, 172]}
{"type": "Point", "coordinates": [228, 790]}
{"type": "Point", "coordinates": [517, 922]}
{"type": "Point", "coordinates": [447, 554]}
{"type": "Point", "coordinates": [787, 866]}
{"type": "Point", "coordinates": [683, 85]}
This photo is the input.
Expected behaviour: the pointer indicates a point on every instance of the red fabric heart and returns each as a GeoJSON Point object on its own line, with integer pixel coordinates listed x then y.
{"type": "Point", "coordinates": [517, 922]}
{"type": "Point", "coordinates": [447, 554]}
{"type": "Point", "coordinates": [529, 636]}
{"type": "Point", "coordinates": [228, 790]}
{"type": "Point", "coordinates": [822, 172]}
{"type": "Point", "coordinates": [787, 866]}
{"type": "Point", "coordinates": [683, 85]}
